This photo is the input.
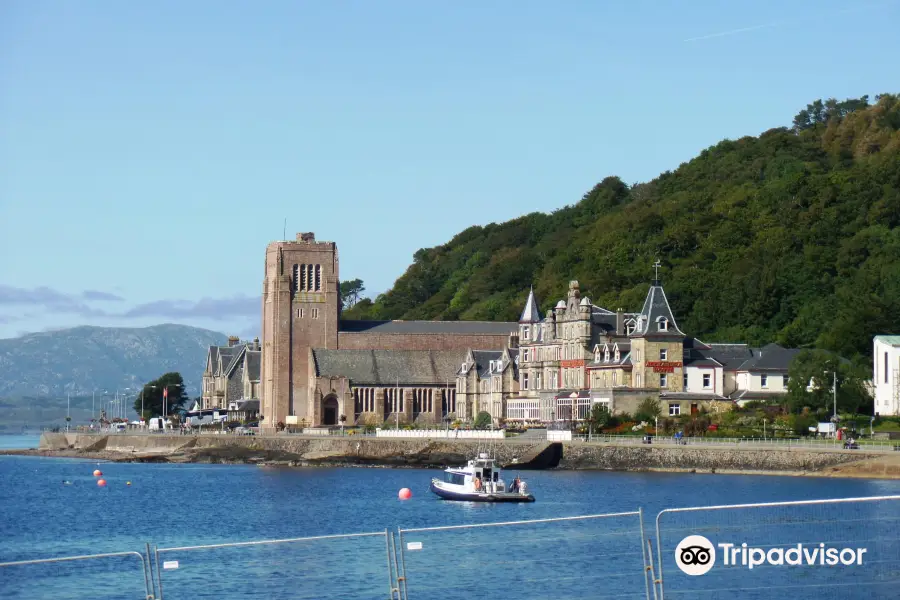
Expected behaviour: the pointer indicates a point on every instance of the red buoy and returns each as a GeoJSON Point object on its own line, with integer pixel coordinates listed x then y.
{"type": "Point", "coordinates": [405, 494]}
{"type": "Point", "coordinates": [97, 473]}
{"type": "Point", "coordinates": [101, 482]}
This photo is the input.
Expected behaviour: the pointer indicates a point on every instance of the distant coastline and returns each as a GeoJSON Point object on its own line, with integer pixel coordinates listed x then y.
{"type": "Point", "coordinates": [311, 451]}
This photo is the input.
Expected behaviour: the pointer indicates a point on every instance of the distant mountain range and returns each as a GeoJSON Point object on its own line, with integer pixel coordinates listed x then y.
{"type": "Point", "coordinates": [37, 370]}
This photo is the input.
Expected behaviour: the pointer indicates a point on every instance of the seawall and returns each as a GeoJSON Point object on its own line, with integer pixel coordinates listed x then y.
{"type": "Point", "coordinates": [524, 454]}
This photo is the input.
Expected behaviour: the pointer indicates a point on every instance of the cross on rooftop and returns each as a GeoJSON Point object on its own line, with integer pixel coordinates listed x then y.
{"type": "Point", "coordinates": [656, 266]}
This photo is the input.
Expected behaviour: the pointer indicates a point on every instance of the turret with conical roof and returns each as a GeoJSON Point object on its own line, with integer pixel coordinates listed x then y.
{"type": "Point", "coordinates": [530, 314]}
{"type": "Point", "coordinates": [530, 321]}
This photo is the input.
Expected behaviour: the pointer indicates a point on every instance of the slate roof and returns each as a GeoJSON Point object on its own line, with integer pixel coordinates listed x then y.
{"type": "Point", "coordinates": [691, 396]}
{"type": "Point", "coordinates": [771, 357]}
{"type": "Point", "coordinates": [748, 395]}
{"type": "Point", "coordinates": [249, 405]}
{"type": "Point", "coordinates": [236, 359]}
{"type": "Point", "coordinates": [656, 305]}
{"type": "Point", "coordinates": [213, 357]}
{"type": "Point", "coordinates": [431, 327]}
{"type": "Point", "coordinates": [386, 367]}
{"type": "Point", "coordinates": [254, 358]}
{"type": "Point", "coordinates": [530, 314]}
{"type": "Point", "coordinates": [226, 354]}
{"type": "Point", "coordinates": [892, 340]}
{"type": "Point", "coordinates": [483, 360]}
{"type": "Point", "coordinates": [731, 356]}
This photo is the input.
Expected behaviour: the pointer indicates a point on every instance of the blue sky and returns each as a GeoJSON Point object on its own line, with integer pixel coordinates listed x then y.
{"type": "Point", "coordinates": [150, 151]}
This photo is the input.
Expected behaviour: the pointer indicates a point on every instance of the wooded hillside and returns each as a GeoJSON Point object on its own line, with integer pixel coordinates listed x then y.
{"type": "Point", "coordinates": [791, 236]}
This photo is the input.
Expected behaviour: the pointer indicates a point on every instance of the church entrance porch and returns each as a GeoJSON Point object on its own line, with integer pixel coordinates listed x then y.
{"type": "Point", "coordinates": [330, 411]}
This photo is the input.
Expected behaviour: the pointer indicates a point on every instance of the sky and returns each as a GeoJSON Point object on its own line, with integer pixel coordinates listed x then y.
{"type": "Point", "coordinates": [150, 151]}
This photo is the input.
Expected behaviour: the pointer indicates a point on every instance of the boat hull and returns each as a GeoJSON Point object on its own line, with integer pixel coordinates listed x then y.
{"type": "Point", "coordinates": [480, 496]}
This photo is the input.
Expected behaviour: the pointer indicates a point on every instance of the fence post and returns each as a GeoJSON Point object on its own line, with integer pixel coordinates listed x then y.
{"type": "Point", "coordinates": [643, 550]}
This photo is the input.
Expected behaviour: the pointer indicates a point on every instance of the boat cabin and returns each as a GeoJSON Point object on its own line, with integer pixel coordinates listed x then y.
{"type": "Point", "coordinates": [482, 467]}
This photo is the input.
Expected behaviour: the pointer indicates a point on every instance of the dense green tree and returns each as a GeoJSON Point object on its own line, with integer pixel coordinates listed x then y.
{"type": "Point", "coordinates": [815, 375]}
{"type": "Point", "coordinates": [351, 291]}
{"type": "Point", "coordinates": [153, 396]}
{"type": "Point", "coordinates": [791, 236]}
{"type": "Point", "coordinates": [483, 420]}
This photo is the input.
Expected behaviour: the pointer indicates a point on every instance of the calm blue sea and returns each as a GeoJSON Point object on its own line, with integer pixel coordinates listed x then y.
{"type": "Point", "coordinates": [181, 505]}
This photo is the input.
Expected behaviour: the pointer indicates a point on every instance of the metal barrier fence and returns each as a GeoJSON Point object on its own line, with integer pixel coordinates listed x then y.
{"type": "Point", "coordinates": [798, 549]}
{"type": "Point", "coordinates": [595, 556]}
{"type": "Point", "coordinates": [86, 576]}
{"type": "Point", "coordinates": [592, 556]}
{"type": "Point", "coordinates": [323, 567]}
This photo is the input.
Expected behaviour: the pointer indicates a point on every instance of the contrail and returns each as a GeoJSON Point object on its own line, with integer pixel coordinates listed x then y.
{"type": "Point", "coordinates": [733, 31]}
{"type": "Point", "coordinates": [778, 23]}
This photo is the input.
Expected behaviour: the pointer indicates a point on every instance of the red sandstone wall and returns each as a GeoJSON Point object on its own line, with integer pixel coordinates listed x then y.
{"type": "Point", "coordinates": [419, 341]}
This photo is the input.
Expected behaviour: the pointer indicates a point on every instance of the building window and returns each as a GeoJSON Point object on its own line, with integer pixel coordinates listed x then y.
{"type": "Point", "coordinates": [315, 313]}
{"type": "Point", "coordinates": [597, 355]}
{"type": "Point", "coordinates": [663, 380]}
{"type": "Point", "coordinates": [662, 324]}
{"type": "Point", "coordinates": [299, 313]}
{"type": "Point", "coordinates": [764, 381]}
{"type": "Point", "coordinates": [526, 333]}
{"type": "Point", "coordinates": [885, 367]}
{"type": "Point", "coordinates": [526, 355]}
{"type": "Point", "coordinates": [537, 381]}
{"type": "Point", "coordinates": [674, 410]}
{"type": "Point", "coordinates": [318, 278]}
{"type": "Point", "coordinates": [707, 380]}
{"type": "Point", "coordinates": [685, 380]}
{"type": "Point", "coordinates": [663, 354]}
{"type": "Point", "coordinates": [618, 356]}
{"type": "Point", "coordinates": [606, 355]}
{"type": "Point", "coordinates": [524, 381]}
{"type": "Point", "coordinates": [615, 377]}
{"type": "Point", "coordinates": [629, 328]}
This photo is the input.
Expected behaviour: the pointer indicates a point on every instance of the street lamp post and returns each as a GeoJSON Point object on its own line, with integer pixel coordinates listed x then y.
{"type": "Point", "coordinates": [68, 416]}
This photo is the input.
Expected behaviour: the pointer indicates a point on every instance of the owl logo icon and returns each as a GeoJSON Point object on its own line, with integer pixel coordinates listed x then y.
{"type": "Point", "coordinates": [695, 555]}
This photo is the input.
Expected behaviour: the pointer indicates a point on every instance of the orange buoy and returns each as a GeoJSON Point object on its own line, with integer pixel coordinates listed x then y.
{"type": "Point", "coordinates": [97, 473]}
{"type": "Point", "coordinates": [405, 494]}
{"type": "Point", "coordinates": [101, 482]}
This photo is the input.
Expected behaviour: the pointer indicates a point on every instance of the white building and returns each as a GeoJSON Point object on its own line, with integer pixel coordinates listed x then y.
{"type": "Point", "coordinates": [886, 356]}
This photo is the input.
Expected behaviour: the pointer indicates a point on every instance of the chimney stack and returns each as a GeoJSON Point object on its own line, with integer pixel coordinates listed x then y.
{"type": "Point", "coordinates": [309, 237]}
{"type": "Point", "coordinates": [620, 322]}
{"type": "Point", "coordinates": [233, 340]}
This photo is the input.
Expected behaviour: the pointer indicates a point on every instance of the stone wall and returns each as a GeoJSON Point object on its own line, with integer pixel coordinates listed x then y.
{"type": "Point", "coordinates": [436, 452]}
{"type": "Point", "coordinates": [641, 458]}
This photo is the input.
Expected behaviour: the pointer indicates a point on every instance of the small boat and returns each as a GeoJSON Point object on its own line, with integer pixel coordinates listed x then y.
{"type": "Point", "coordinates": [479, 481]}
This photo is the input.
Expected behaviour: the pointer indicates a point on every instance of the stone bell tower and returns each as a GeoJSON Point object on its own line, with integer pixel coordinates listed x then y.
{"type": "Point", "coordinates": [300, 310]}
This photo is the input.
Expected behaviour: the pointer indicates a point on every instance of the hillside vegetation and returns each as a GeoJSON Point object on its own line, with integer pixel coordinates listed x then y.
{"type": "Point", "coordinates": [791, 236]}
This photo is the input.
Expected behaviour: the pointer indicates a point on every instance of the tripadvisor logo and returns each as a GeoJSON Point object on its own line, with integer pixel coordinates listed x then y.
{"type": "Point", "coordinates": [696, 555]}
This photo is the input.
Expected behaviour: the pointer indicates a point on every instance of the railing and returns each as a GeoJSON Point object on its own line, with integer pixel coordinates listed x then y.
{"type": "Point", "coordinates": [824, 444]}
{"type": "Point", "coordinates": [608, 555]}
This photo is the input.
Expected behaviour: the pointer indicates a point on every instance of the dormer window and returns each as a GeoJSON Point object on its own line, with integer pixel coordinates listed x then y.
{"type": "Point", "coordinates": [526, 334]}
{"type": "Point", "coordinates": [629, 326]}
{"type": "Point", "coordinates": [526, 355]}
{"type": "Point", "coordinates": [606, 355]}
{"type": "Point", "coordinates": [662, 324]}
{"type": "Point", "coordinates": [618, 356]}
{"type": "Point", "coordinates": [463, 368]}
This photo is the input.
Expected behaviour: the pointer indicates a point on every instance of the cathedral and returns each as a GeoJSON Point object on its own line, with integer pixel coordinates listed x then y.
{"type": "Point", "coordinates": [315, 369]}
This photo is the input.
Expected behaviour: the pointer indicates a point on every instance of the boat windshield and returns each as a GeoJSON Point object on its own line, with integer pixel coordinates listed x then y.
{"type": "Point", "coordinates": [455, 478]}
